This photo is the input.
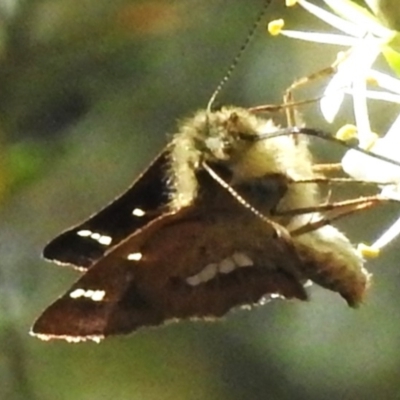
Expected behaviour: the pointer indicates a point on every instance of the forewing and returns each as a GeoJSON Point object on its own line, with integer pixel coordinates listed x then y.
{"type": "Point", "coordinates": [144, 281]}
{"type": "Point", "coordinates": [87, 242]}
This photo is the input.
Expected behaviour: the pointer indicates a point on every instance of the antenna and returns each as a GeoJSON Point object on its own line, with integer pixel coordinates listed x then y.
{"type": "Point", "coordinates": [239, 55]}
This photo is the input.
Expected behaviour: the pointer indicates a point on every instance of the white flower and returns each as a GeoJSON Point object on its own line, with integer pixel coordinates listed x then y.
{"type": "Point", "coordinates": [366, 168]}
{"type": "Point", "coordinates": [365, 38]}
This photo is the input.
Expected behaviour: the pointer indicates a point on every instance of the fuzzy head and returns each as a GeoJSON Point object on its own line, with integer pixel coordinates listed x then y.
{"type": "Point", "coordinates": [230, 138]}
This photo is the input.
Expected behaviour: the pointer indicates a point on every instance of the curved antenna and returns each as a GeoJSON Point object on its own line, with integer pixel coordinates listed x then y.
{"type": "Point", "coordinates": [239, 55]}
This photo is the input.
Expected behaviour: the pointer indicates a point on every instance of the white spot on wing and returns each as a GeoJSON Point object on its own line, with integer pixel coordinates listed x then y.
{"type": "Point", "coordinates": [208, 272]}
{"type": "Point", "coordinates": [138, 212]}
{"type": "Point", "coordinates": [276, 296]}
{"type": "Point", "coordinates": [95, 295]}
{"type": "Point", "coordinates": [98, 295]}
{"type": "Point", "coordinates": [193, 280]}
{"type": "Point", "coordinates": [102, 239]}
{"type": "Point", "coordinates": [77, 293]}
{"type": "Point", "coordinates": [84, 233]}
{"type": "Point", "coordinates": [242, 259]}
{"type": "Point", "coordinates": [135, 256]}
{"type": "Point", "coordinates": [106, 240]}
{"type": "Point", "coordinates": [226, 266]}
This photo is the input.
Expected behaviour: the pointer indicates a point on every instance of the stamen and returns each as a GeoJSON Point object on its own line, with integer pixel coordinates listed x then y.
{"type": "Point", "coordinates": [368, 251]}
{"type": "Point", "coordinates": [346, 132]}
{"type": "Point", "coordinates": [388, 236]}
{"type": "Point", "coordinates": [275, 27]}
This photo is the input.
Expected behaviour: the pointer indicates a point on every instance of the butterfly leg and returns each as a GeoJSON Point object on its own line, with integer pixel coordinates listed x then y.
{"type": "Point", "coordinates": [340, 209]}
{"type": "Point", "coordinates": [329, 180]}
{"type": "Point", "coordinates": [327, 168]}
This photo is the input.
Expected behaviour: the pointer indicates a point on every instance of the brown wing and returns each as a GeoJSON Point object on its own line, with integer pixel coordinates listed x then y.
{"type": "Point", "coordinates": [115, 222]}
{"type": "Point", "coordinates": [121, 293]}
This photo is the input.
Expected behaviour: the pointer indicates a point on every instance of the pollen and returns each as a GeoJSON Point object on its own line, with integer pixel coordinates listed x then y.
{"type": "Point", "coordinates": [346, 132]}
{"type": "Point", "coordinates": [372, 80]}
{"type": "Point", "coordinates": [349, 131]}
{"type": "Point", "coordinates": [368, 251]}
{"type": "Point", "coordinates": [275, 27]}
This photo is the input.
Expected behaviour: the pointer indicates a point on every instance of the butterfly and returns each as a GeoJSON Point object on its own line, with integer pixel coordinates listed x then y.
{"type": "Point", "coordinates": [227, 215]}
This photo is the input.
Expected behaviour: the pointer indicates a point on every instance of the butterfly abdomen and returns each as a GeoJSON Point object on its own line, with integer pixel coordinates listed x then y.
{"type": "Point", "coordinates": [331, 261]}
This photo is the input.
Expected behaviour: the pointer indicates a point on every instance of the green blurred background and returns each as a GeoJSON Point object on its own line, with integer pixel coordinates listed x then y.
{"type": "Point", "coordinates": [88, 91]}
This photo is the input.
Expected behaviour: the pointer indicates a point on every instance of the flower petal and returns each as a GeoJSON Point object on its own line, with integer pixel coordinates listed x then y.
{"type": "Point", "coordinates": [388, 235]}
{"type": "Point", "coordinates": [325, 38]}
{"type": "Point", "coordinates": [378, 95]}
{"type": "Point", "coordinates": [361, 110]}
{"type": "Point", "coordinates": [355, 65]}
{"type": "Point", "coordinates": [385, 81]}
{"type": "Point", "coordinates": [361, 16]}
{"type": "Point", "coordinates": [393, 136]}
{"type": "Point", "coordinates": [341, 24]}
{"type": "Point", "coordinates": [364, 167]}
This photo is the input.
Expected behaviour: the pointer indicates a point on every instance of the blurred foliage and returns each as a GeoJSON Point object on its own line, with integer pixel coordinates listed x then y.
{"type": "Point", "coordinates": [88, 91]}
